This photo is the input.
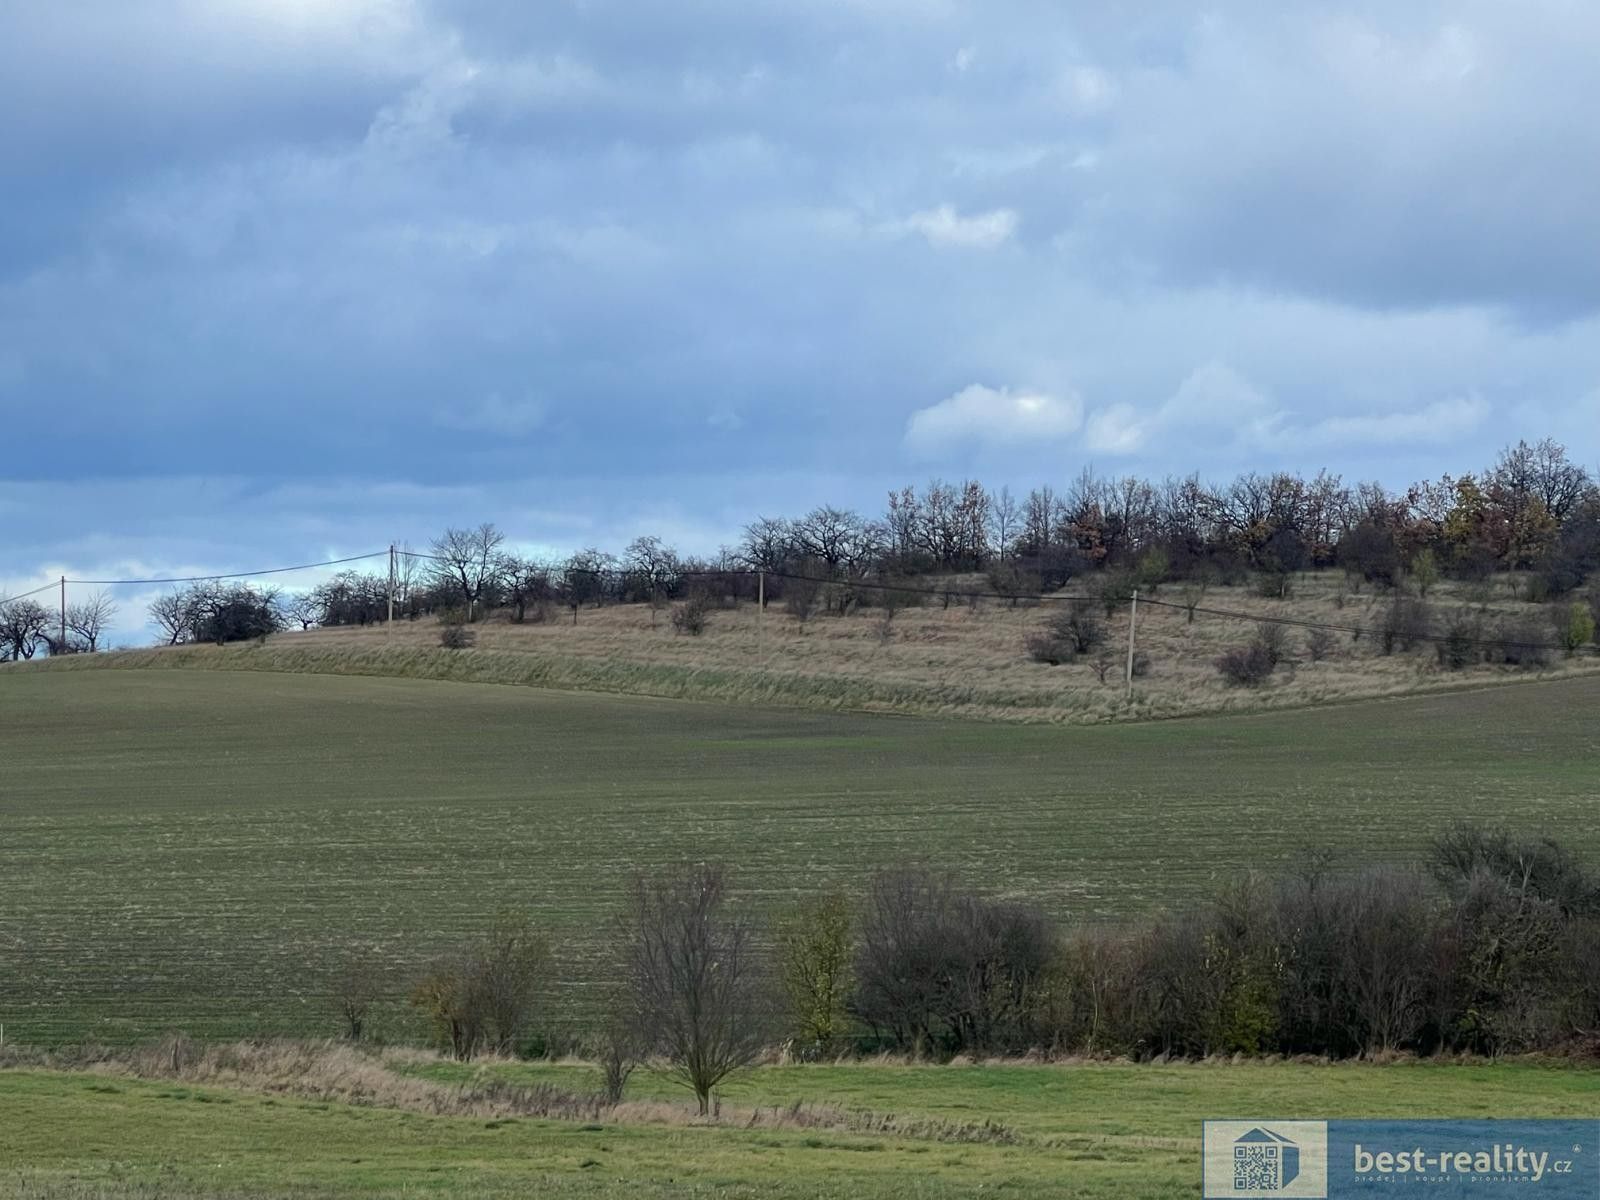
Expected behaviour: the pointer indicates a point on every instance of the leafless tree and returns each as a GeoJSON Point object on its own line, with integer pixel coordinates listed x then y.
{"type": "Point", "coordinates": [484, 995]}
{"type": "Point", "coordinates": [24, 626]}
{"type": "Point", "coordinates": [692, 977]}
{"type": "Point", "coordinates": [467, 561]}
{"type": "Point", "coordinates": [90, 618]}
{"type": "Point", "coordinates": [1005, 517]}
{"type": "Point", "coordinates": [303, 609]}
{"type": "Point", "coordinates": [356, 987]}
{"type": "Point", "coordinates": [172, 615]}
{"type": "Point", "coordinates": [530, 587]}
{"type": "Point", "coordinates": [617, 1045]}
{"type": "Point", "coordinates": [768, 544]}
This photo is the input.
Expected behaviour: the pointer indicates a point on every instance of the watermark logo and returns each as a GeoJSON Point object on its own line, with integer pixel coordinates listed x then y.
{"type": "Point", "coordinates": [1439, 1160]}
{"type": "Point", "coordinates": [1264, 1161]}
{"type": "Point", "coordinates": [1266, 1158]}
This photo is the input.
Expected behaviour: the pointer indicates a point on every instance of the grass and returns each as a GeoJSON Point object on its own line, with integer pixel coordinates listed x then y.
{"type": "Point", "coordinates": [1079, 1131]}
{"type": "Point", "coordinates": [932, 660]}
{"type": "Point", "coordinates": [205, 850]}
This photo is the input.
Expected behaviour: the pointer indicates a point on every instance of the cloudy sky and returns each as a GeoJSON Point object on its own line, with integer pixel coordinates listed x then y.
{"type": "Point", "coordinates": [288, 279]}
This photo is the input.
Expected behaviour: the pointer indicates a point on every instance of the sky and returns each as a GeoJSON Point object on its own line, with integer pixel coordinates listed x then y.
{"type": "Point", "coordinates": [283, 280]}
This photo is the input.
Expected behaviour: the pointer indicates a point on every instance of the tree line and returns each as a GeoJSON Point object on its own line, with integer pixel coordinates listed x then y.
{"type": "Point", "coordinates": [1533, 510]}
{"type": "Point", "coordinates": [1489, 944]}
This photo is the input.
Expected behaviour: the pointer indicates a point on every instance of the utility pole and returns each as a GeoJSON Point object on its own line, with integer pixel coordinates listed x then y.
{"type": "Point", "coordinates": [761, 610]}
{"type": "Point", "coordinates": [1133, 620]}
{"type": "Point", "coordinates": [389, 628]}
{"type": "Point", "coordinates": [63, 642]}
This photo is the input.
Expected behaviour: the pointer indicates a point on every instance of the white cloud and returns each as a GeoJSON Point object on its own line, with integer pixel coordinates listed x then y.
{"type": "Point", "coordinates": [494, 414]}
{"type": "Point", "coordinates": [1439, 422]}
{"type": "Point", "coordinates": [1114, 430]}
{"type": "Point", "coordinates": [986, 416]}
{"type": "Point", "coordinates": [943, 226]}
{"type": "Point", "coordinates": [1217, 404]}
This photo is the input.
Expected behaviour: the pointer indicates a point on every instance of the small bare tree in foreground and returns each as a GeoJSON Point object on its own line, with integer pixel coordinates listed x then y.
{"type": "Point", "coordinates": [617, 1045]}
{"type": "Point", "coordinates": [484, 996]}
{"type": "Point", "coordinates": [691, 974]}
{"type": "Point", "coordinates": [355, 989]}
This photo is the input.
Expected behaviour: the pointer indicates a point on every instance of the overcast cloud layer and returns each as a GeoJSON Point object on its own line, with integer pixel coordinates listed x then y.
{"type": "Point", "coordinates": [282, 279]}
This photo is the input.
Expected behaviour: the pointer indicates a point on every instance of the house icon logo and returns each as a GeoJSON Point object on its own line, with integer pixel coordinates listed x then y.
{"type": "Point", "coordinates": [1264, 1161]}
{"type": "Point", "coordinates": [1285, 1159]}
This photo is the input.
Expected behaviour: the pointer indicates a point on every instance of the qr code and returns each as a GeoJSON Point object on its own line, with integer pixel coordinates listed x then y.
{"type": "Point", "coordinates": [1256, 1169]}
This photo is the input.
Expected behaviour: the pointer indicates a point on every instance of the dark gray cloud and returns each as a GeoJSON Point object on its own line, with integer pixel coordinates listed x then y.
{"type": "Point", "coordinates": [616, 263]}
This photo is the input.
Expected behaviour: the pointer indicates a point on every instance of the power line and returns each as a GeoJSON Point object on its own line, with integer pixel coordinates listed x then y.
{"type": "Point", "coordinates": [332, 562]}
{"type": "Point", "coordinates": [947, 593]}
{"type": "Point", "coordinates": [45, 587]}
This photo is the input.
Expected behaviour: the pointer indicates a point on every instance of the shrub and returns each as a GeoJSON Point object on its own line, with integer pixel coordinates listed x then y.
{"type": "Point", "coordinates": [1251, 664]}
{"type": "Point", "coordinates": [1273, 585]}
{"type": "Point", "coordinates": [937, 967]}
{"type": "Point", "coordinates": [1424, 571]}
{"type": "Point", "coordinates": [1113, 589]}
{"type": "Point", "coordinates": [814, 952]}
{"type": "Point", "coordinates": [1521, 642]}
{"type": "Point", "coordinates": [1458, 646]}
{"type": "Point", "coordinates": [355, 988]}
{"type": "Point", "coordinates": [1319, 644]}
{"type": "Point", "coordinates": [691, 616]}
{"type": "Point", "coordinates": [1045, 647]}
{"type": "Point", "coordinates": [1078, 625]}
{"type": "Point", "coordinates": [484, 995]}
{"type": "Point", "coordinates": [1247, 665]}
{"type": "Point", "coordinates": [1405, 623]}
{"type": "Point", "coordinates": [1574, 626]}
{"type": "Point", "coordinates": [1068, 632]}
{"type": "Point", "coordinates": [456, 637]}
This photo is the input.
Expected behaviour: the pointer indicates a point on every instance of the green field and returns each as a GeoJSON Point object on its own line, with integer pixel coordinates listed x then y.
{"type": "Point", "coordinates": [203, 850]}
{"type": "Point", "coordinates": [1124, 1132]}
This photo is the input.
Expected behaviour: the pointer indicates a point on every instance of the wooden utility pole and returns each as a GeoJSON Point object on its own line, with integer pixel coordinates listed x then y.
{"type": "Point", "coordinates": [761, 609]}
{"type": "Point", "coordinates": [63, 642]}
{"type": "Point", "coordinates": [1133, 621]}
{"type": "Point", "coordinates": [389, 629]}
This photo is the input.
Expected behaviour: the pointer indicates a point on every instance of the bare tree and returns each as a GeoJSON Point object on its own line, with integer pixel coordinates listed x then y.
{"type": "Point", "coordinates": [1005, 517]}
{"type": "Point", "coordinates": [172, 615]}
{"type": "Point", "coordinates": [24, 626]}
{"type": "Point", "coordinates": [356, 987]}
{"type": "Point", "coordinates": [303, 609]}
{"type": "Point", "coordinates": [692, 977]}
{"type": "Point", "coordinates": [484, 995]}
{"type": "Point", "coordinates": [467, 561]}
{"type": "Point", "coordinates": [617, 1045]}
{"type": "Point", "coordinates": [90, 618]}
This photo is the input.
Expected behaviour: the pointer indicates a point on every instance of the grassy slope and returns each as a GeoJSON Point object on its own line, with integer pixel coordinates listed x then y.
{"type": "Point", "coordinates": [203, 850]}
{"type": "Point", "coordinates": [1091, 1131]}
{"type": "Point", "coordinates": [929, 661]}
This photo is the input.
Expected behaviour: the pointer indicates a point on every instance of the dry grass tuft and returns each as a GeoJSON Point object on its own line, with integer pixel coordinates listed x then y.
{"type": "Point", "coordinates": [340, 1073]}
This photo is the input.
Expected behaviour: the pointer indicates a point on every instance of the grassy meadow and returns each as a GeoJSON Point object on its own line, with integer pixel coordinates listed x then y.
{"type": "Point", "coordinates": [205, 850]}
{"type": "Point", "coordinates": [955, 661]}
{"type": "Point", "coordinates": [1081, 1131]}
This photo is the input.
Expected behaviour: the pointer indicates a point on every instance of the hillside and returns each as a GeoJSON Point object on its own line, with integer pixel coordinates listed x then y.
{"type": "Point", "coordinates": [960, 659]}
